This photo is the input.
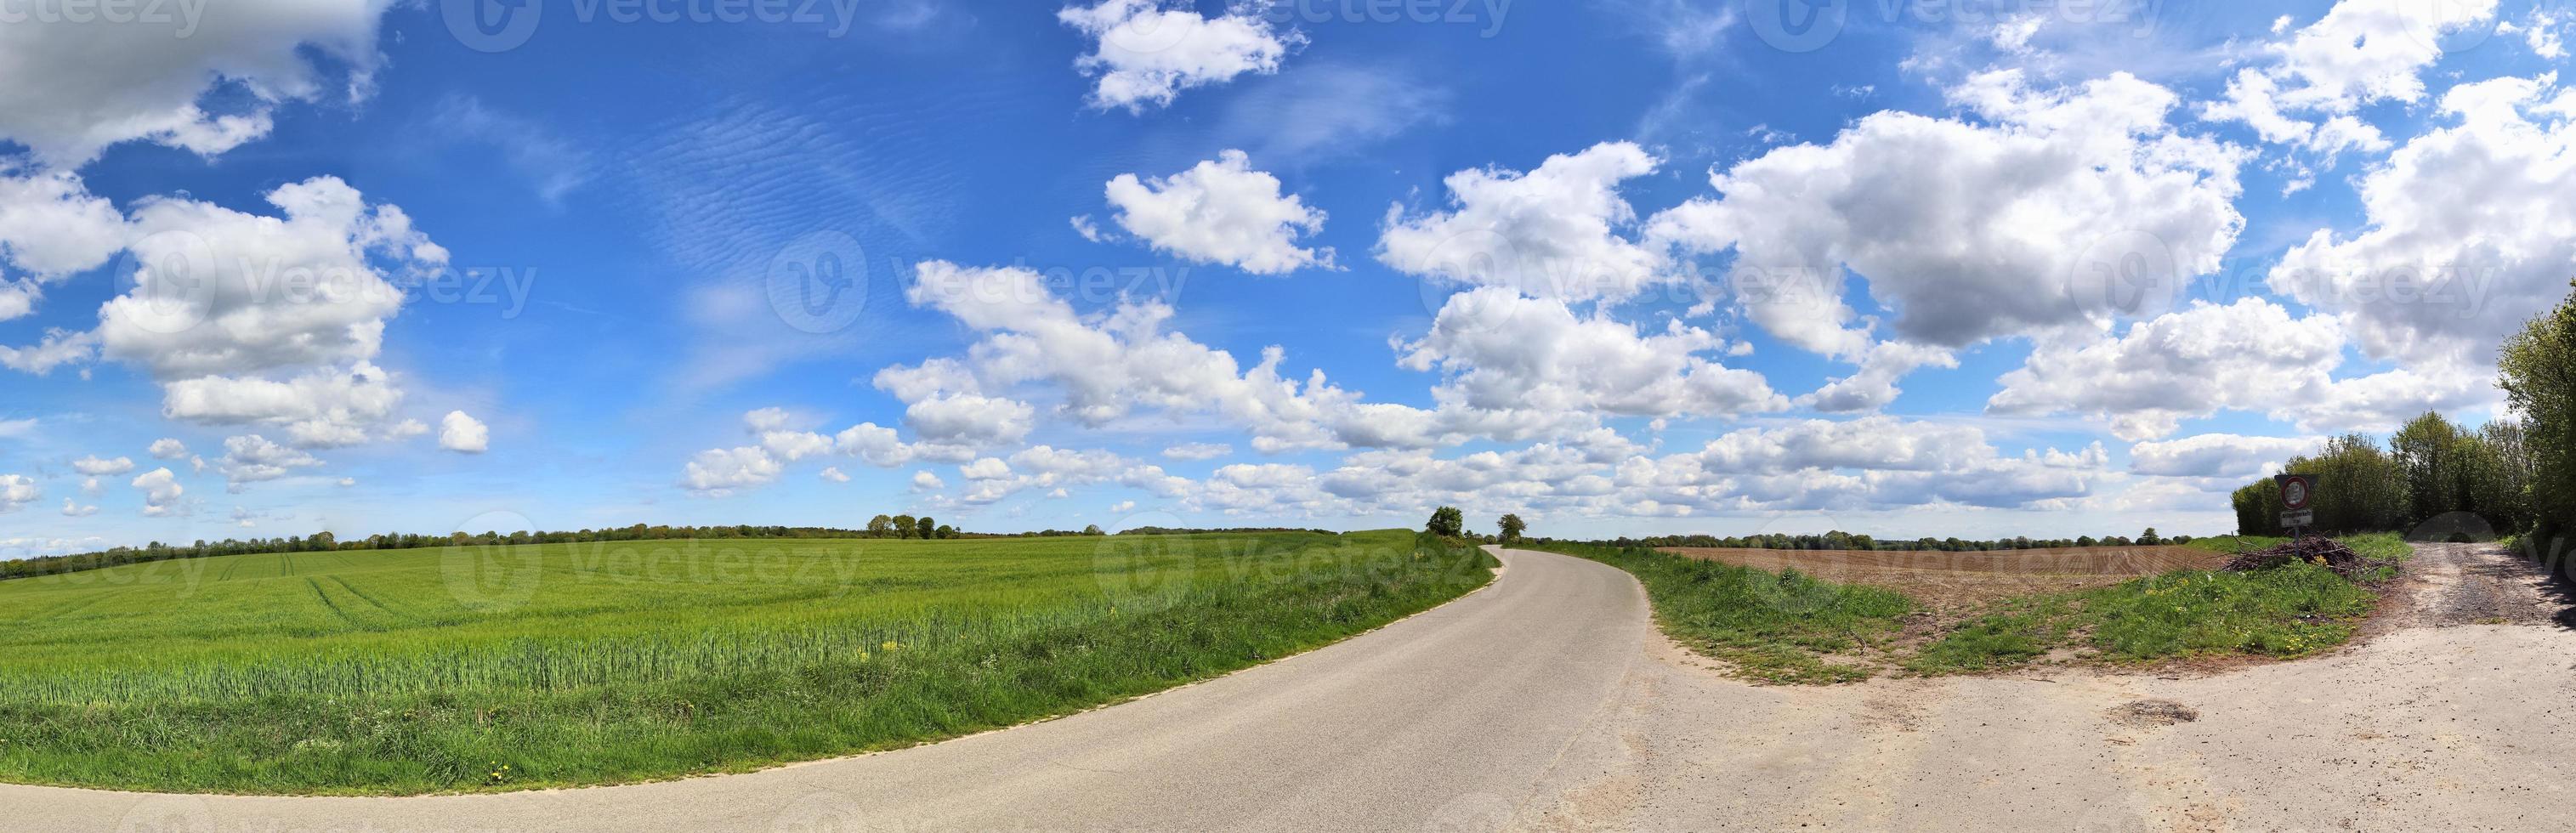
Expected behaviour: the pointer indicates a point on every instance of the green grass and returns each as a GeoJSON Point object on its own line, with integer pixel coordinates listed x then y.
{"type": "Point", "coordinates": [2380, 546]}
{"type": "Point", "coordinates": [2287, 611]}
{"type": "Point", "coordinates": [1789, 628]}
{"type": "Point", "coordinates": [411, 671]}
{"type": "Point", "coordinates": [1778, 627]}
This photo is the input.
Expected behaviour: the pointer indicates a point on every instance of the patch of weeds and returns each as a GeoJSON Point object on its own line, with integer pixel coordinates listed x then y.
{"type": "Point", "coordinates": [2380, 546]}
{"type": "Point", "coordinates": [2019, 631]}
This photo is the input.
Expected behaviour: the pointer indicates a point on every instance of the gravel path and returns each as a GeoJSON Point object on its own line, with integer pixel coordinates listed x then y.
{"type": "Point", "coordinates": [2473, 584]}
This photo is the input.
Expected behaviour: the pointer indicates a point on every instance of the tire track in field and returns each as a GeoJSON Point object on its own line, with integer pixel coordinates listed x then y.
{"type": "Point", "coordinates": [351, 621]}
{"type": "Point", "coordinates": [93, 601]}
{"type": "Point", "coordinates": [362, 595]}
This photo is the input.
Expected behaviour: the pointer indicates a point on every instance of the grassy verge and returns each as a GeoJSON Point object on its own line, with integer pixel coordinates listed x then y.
{"type": "Point", "coordinates": [1779, 627]}
{"type": "Point", "coordinates": [411, 673]}
{"type": "Point", "coordinates": [1792, 629]}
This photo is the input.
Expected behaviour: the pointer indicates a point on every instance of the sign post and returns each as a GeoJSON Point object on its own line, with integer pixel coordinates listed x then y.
{"type": "Point", "coordinates": [2298, 491]}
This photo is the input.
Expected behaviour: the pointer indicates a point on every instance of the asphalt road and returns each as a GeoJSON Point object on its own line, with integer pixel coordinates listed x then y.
{"type": "Point", "coordinates": [1547, 702]}
{"type": "Point", "coordinates": [1446, 720]}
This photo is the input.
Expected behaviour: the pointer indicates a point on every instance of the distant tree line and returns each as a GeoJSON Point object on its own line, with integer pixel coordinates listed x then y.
{"type": "Point", "coordinates": [1229, 530]}
{"type": "Point", "coordinates": [327, 542]}
{"type": "Point", "coordinates": [1450, 522]}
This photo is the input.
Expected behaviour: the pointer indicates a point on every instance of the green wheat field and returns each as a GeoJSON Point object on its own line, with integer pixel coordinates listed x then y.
{"type": "Point", "coordinates": [497, 668]}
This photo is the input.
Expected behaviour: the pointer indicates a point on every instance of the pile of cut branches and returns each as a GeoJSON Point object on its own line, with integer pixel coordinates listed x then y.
{"type": "Point", "coordinates": [2315, 550]}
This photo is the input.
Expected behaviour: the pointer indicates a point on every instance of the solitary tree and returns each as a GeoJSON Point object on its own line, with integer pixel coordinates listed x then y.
{"type": "Point", "coordinates": [1512, 528]}
{"type": "Point", "coordinates": [2148, 538]}
{"type": "Point", "coordinates": [1093, 529]}
{"type": "Point", "coordinates": [1447, 521]}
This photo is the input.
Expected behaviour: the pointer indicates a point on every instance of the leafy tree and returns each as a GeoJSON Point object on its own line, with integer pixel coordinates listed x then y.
{"type": "Point", "coordinates": [925, 528]}
{"type": "Point", "coordinates": [2149, 538]}
{"type": "Point", "coordinates": [880, 527]}
{"type": "Point", "coordinates": [2537, 369]}
{"type": "Point", "coordinates": [946, 531]}
{"type": "Point", "coordinates": [1511, 527]}
{"type": "Point", "coordinates": [1093, 529]}
{"type": "Point", "coordinates": [2426, 452]}
{"type": "Point", "coordinates": [2501, 485]}
{"type": "Point", "coordinates": [905, 526]}
{"type": "Point", "coordinates": [1447, 521]}
{"type": "Point", "coordinates": [2359, 488]}
{"type": "Point", "coordinates": [2258, 508]}
{"type": "Point", "coordinates": [2086, 541]}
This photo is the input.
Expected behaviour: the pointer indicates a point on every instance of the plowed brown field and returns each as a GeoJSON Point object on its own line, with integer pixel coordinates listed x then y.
{"type": "Point", "coordinates": [1951, 579]}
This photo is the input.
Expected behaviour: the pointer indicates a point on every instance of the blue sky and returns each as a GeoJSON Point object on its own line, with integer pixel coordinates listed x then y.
{"type": "Point", "coordinates": [1621, 267]}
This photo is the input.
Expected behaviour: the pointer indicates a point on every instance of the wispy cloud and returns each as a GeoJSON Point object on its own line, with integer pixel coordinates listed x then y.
{"type": "Point", "coordinates": [553, 166]}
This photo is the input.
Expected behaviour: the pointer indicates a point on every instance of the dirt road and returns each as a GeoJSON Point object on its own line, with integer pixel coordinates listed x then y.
{"type": "Point", "coordinates": [2465, 584]}
{"type": "Point", "coordinates": [1547, 702]}
{"type": "Point", "coordinates": [2445, 725]}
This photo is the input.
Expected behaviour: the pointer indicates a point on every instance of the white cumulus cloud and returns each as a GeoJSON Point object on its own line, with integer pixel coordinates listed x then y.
{"type": "Point", "coordinates": [1146, 51]}
{"type": "Point", "coordinates": [1220, 211]}
{"type": "Point", "coordinates": [462, 433]}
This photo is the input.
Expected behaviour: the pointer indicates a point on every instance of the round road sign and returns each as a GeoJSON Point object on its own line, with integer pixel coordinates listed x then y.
{"type": "Point", "coordinates": [2294, 493]}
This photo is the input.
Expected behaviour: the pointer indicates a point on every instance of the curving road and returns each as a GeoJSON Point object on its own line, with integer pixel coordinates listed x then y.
{"type": "Point", "coordinates": [1473, 701]}
{"type": "Point", "coordinates": [1547, 702]}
